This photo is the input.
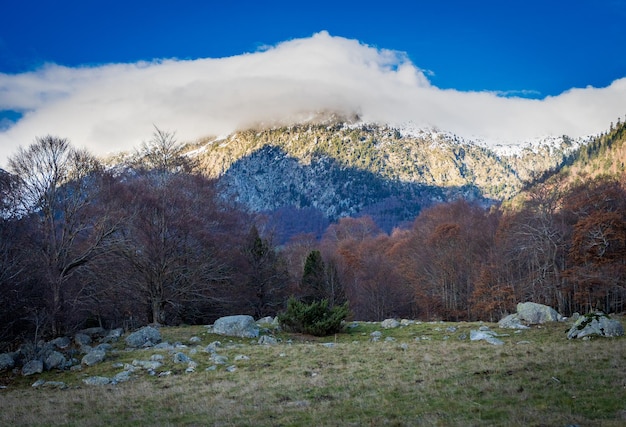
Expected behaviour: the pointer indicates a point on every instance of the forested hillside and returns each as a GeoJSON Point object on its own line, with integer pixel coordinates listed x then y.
{"type": "Point", "coordinates": [303, 176]}
{"type": "Point", "coordinates": [154, 241]}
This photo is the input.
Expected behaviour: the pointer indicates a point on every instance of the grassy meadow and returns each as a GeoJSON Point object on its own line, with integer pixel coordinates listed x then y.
{"type": "Point", "coordinates": [426, 375]}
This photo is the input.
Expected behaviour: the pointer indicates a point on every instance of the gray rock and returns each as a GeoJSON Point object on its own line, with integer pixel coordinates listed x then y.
{"type": "Point", "coordinates": [32, 367]}
{"type": "Point", "coordinates": [219, 360]}
{"type": "Point", "coordinates": [113, 335]}
{"type": "Point", "coordinates": [121, 377]}
{"type": "Point", "coordinates": [389, 324]}
{"type": "Point", "coordinates": [595, 324]}
{"type": "Point", "coordinates": [97, 380]}
{"type": "Point", "coordinates": [94, 357]}
{"type": "Point", "coordinates": [268, 340]}
{"type": "Point", "coordinates": [149, 365]}
{"type": "Point", "coordinates": [512, 321]}
{"type": "Point", "coordinates": [212, 348]}
{"type": "Point", "coordinates": [533, 313]}
{"type": "Point", "coordinates": [6, 361]}
{"type": "Point", "coordinates": [164, 346]}
{"type": "Point", "coordinates": [181, 358]}
{"type": "Point", "coordinates": [195, 340]}
{"type": "Point", "coordinates": [144, 337]}
{"type": "Point", "coordinates": [61, 342]}
{"type": "Point", "coordinates": [55, 360]}
{"type": "Point", "coordinates": [236, 326]}
{"type": "Point", "coordinates": [82, 339]}
{"type": "Point", "coordinates": [267, 321]}
{"type": "Point", "coordinates": [49, 384]}
{"type": "Point", "coordinates": [485, 335]}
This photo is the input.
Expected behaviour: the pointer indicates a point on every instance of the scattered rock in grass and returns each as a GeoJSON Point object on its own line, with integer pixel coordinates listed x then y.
{"type": "Point", "coordinates": [32, 367]}
{"type": "Point", "coordinates": [195, 340]}
{"type": "Point", "coordinates": [121, 377]}
{"type": "Point", "coordinates": [144, 337]}
{"type": "Point", "coordinates": [94, 357]}
{"type": "Point", "coordinates": [267, 340]}
{"type": "Point", "coordinates": [147, 364]}
{"type": "Point", "coordinates": [181, 358]}
{"type": "Point", "coordinates": [212, 348]}
{"type": "Point", "coordinates": [49, 384]}
{"type": "Point", "coordinates": [219, 360]}
{"type": "Point", "coordinates": [328, 344]}
{"type": "Point", "coordinates": [242, 326]}
{"type": "Point", "coordinates": [375, 336]}
{"type": "Point", "coordinates": [595, 324]}
{"type": "Point", "coordinates": [241, 357]}
{"type": "Point", "coordinates": [512, 321]}
{"type": "Point", "coordinates": [486, 335]}
{"type": "Point", "coordinates": [164, 346]}
{"type": "Point", "coordinates": [96, 380]}
{"type": "Point", "coordinates": [389, 324]}
{"type": "Point", "coordinates": [231, 368]}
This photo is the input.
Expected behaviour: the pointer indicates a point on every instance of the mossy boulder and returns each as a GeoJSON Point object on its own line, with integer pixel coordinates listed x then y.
{"type": "Point", "coordinates": [595, 324]}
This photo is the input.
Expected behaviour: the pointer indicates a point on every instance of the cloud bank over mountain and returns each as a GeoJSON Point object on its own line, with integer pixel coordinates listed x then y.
{"type": "Point", "coordinates": [113, 107]}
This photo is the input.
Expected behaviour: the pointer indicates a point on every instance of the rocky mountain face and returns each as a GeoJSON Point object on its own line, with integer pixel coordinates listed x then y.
{"type": "Point", "coordinates": [308, 174]}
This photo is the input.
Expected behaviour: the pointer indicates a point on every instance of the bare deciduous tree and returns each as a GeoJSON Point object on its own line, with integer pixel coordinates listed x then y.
{"type": "Point", "coordinates": [58, 185]}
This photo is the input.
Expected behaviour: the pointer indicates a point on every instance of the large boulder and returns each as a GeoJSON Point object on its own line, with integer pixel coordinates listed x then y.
{"type": "Point", "coordinates": [6, 361]}
{"type": "Point", "coordinates": [533, 313]}
{"type": "Point", "coordinates": [144, 337]}
{"type": "Point", "coordinates": [595, 324]}
{"type": "Point", "coordinates": [236, 326]}
{"type": "Point", "coordinates": [55, 360]}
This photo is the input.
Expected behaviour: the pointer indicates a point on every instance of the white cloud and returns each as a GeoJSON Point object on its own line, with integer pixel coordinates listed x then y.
{"type": "Point", "coordinates": [114, 107]}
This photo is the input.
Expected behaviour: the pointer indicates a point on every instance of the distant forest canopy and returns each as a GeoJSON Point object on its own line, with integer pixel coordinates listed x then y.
{"type": "Point", "coordinates": [82, 245]}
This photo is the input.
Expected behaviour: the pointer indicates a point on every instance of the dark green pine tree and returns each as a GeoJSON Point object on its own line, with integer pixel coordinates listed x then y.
{"type": "Point", "coordinates": [313, 283]}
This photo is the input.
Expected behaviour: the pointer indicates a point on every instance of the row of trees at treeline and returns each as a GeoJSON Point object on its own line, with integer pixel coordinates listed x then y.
{"type": "Point", "coordinates": [83, 245]}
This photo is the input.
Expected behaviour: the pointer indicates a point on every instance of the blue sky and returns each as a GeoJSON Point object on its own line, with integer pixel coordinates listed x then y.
{"type": "Point", "coordinates": [539, 46]}
{"type": "Point", "coordinates": [530, 49]}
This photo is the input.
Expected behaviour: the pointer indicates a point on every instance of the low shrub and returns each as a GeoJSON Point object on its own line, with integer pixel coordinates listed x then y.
{"type": "Point", "coordinates": [316, 318]}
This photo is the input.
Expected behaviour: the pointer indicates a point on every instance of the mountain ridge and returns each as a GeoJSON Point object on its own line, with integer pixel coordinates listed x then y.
{"type": "Point", "coordinates": [344, 167]}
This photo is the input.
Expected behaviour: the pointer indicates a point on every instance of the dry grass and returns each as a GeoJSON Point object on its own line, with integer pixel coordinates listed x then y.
{"type": "Point", "coordinates": [442, 380]}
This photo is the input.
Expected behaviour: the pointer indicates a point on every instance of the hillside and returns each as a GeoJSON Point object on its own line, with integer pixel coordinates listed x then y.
{"type": "Point", "coordinates": [602, 156]}
{"type": "Point", "coordinates": [324, 171]}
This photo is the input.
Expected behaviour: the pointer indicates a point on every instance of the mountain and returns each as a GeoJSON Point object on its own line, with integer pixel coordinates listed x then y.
{"type": "Point", "coordinates": [305, 175]}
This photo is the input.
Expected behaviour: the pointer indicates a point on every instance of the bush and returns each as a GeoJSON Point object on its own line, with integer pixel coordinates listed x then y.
{"type": "Point", "coordinates": [315, 318]}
